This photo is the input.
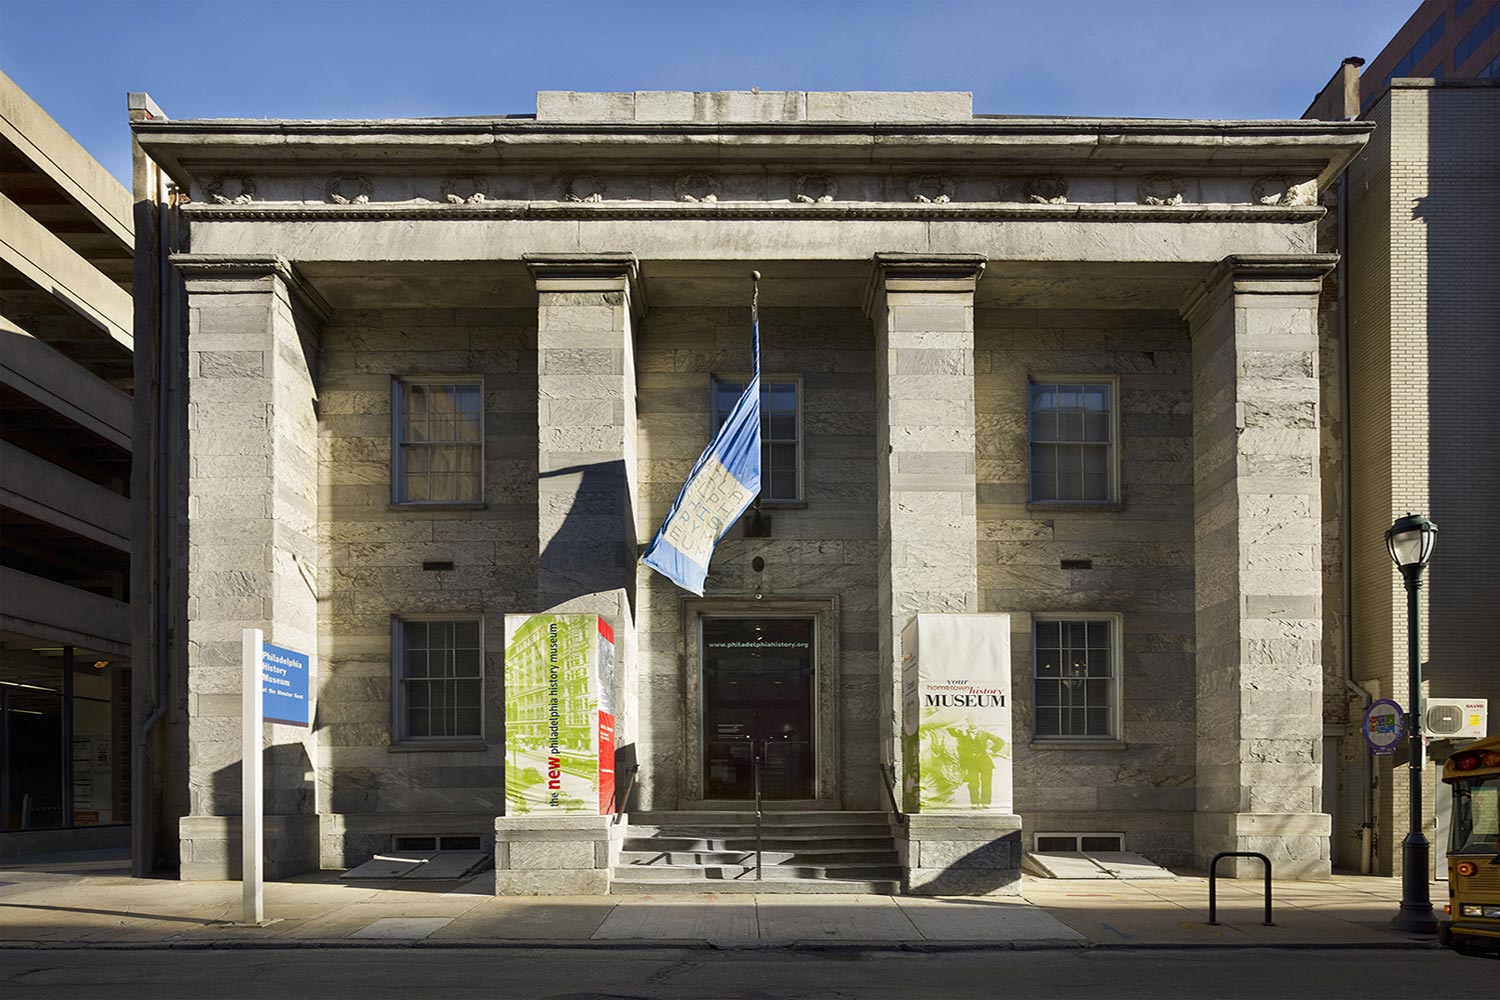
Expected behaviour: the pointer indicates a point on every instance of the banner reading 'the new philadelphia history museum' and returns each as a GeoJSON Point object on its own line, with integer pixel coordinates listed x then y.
{"type": "Point", "coordinates": [559, 714]}
{"type": "Point", "coordinates": [955, 684]}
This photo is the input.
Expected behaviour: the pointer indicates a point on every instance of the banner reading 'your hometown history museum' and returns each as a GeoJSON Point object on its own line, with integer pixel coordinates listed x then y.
{"type": "Point", "coordinates": [559, 714]}
{"type": "Point", "coordinates": [955, 684]}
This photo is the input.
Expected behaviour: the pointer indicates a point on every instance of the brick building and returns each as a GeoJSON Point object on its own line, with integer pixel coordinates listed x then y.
{"type": "Point", "coordinates": [1420, 212]}
{"type": "Point", "coordinates": [1068, 370]}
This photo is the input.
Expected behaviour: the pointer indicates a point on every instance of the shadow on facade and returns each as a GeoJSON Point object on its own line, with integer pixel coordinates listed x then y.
{"type": "Point", "coordinates": [991, 866]}
{"type": "Point", "coordinates": [288, 784]}
{"type": "Point", "coordinates": [1461, 215]}
{"type": "Point", "coordinates": [592, 550]}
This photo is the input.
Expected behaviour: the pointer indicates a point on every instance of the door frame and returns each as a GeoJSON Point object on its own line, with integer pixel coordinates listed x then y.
{"type": "Point", "coordinates": [824, 613]}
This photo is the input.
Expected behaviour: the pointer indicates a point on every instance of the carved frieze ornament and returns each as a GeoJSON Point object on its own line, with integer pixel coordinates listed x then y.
{"type": "Point", "coordinates": [1162, 189]}
{"type": "Point", "coordinates": [583, 187]}
{"type": "Point", "coordinates": [811, 189]}
{"type": "Point", "coordinates": [465, 189]}
{"type": "Point", "coordinates": [232, 189]}
{"type": "Point", "coordinates": [697, 187]}
{"type": "Point", "coordinates": [350, 189]}
{"type": "Point", "coordinates": [1281, 191]}
{"type": "Point", "coordinates": [930, 189]}
{"type": "Point", "coordinates": [1046, 190]}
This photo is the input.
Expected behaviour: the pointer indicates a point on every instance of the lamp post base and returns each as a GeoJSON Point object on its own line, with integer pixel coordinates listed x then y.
{"type": "Point", "coordinates": [1415, 915]}
{"type": "Point", "coordinates": [1415, 919]}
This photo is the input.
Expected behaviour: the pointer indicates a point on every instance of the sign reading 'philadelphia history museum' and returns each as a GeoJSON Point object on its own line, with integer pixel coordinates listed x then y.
{"type": "Point", "coordinates": [955, 684]}
{"type": "Point", "coordinates": [559, 714]}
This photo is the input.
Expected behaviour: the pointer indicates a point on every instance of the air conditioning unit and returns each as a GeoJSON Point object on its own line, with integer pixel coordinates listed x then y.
{"type": "Point", "coordinates": [1456, 718]}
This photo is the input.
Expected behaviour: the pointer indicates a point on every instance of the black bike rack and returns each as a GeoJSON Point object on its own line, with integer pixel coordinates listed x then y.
{"type": "Point", "coordinates": [1213, 874]}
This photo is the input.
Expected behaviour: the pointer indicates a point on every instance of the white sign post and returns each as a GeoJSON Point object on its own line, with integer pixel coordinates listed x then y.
{"type": "Point", "coordinates": [252, 793]}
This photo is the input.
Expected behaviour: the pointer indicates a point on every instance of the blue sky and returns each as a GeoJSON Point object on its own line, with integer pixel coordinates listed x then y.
{"type": "Point", "coordinates": [382, 58]}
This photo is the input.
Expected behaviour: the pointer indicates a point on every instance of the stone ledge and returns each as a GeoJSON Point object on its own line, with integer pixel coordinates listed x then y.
{"type": "Point", "coordinates": [752, 107]}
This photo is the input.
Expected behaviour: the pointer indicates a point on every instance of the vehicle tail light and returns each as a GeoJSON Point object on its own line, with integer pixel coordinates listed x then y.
{"type": "Point", "coordinates": [1467, 762]}
{"type": "Point", "coordinates": [1490, 758]}
{"type": "Point", "coordinates": [1465, 868]}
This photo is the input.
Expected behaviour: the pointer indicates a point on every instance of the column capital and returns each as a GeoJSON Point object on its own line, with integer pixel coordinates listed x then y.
{"type": "Point", "coordinates": [922, 272]}
{"type": "Point", "coordinates": [1278, 274]}
{"type": "Point", "coordinates": [588, 272]}
{"type": "Point", "coordinates": [228, 273]}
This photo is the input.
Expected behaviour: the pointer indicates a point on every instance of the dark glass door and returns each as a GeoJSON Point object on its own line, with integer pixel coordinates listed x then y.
{"type": "Point", "coordinates": [758, 699]}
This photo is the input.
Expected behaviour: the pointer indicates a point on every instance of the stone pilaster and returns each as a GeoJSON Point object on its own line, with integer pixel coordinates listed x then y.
{"type": "Point", "coordinates": [922, 308]}
{"type": "Point", "coordinates": [586, 430]}
{"type": "Point", "coordinates": [586, 492]}
{"type": "Point", "coordinates": [1257, 582]}
{"type": "Point", "coordinates": [252, 431]}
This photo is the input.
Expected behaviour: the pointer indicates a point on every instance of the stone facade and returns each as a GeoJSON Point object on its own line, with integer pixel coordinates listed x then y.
{"type": "Point", "coordinates": [1139, 554]}
{"type": "Point", "coordinates": [911, 292]}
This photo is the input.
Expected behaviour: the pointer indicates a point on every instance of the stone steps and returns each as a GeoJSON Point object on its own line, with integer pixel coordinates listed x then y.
{"type": "Point", "coordinates": [829, 858]}
{"type": "Point", "coordinates": [735, 873]}
{"type": "Point", "coordinates": [623, 885]}
{"type": "Point", "coordinates": [820, 852]}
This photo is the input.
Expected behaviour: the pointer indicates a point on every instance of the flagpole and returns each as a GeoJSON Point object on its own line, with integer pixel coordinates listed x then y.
{"type": "Point", "coordinates": [755, 319]}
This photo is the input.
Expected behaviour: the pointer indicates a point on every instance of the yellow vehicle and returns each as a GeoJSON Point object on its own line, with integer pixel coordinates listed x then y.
{"type": "Point", "coordinates": [1473, 774]}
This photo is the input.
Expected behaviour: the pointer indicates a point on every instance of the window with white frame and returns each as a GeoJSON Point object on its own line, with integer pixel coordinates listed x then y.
{"type": "Point", "coordinates": [439, 679]}
{"type": "Point", "coordinates": [439, 428]}
{"type": "Point", "coordinates": [780, 433]}
{"type": "Point", "coordinates": [1073, 431]}
{"type": "Point", "coordinates": [1076, 677]}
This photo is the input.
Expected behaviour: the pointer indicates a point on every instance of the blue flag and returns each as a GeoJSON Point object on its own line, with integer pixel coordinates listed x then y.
{"type": "Point", "coordinates": [724, 481]}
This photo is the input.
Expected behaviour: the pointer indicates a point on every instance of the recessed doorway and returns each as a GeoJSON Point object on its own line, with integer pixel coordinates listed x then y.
{"type": "Point", "coordinates": [759, 700]}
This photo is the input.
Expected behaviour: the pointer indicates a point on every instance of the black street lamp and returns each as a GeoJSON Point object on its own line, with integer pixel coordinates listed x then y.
{"type": "Point", "coordinates": [1410, 542]}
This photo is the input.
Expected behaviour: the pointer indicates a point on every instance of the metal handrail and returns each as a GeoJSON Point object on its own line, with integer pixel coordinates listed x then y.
{"type": "Point", "coordinates": [889, 774]}
{"type": "Point", "coordinates": [1213, 874]}
{"type": "Point", "coordinates": [623, 797]}
{"type": "Point", "coordinates": [755, 771]}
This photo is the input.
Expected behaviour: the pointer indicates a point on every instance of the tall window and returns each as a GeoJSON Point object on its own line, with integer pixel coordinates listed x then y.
{"type": "Point", "coordinates": [1075, 678]}
{"type": "Point", "coordinates": [439, 441]}
{"type": "Point", "coordinates": [439, 679]}
{"type": "Point", "coordinates": [1073, 431]}
{"type": "Point", "coordinates": [780, 434]}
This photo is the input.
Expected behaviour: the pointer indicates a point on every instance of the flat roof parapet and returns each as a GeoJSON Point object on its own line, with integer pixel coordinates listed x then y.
{"type": "Point", "coordinates": [746, 106]}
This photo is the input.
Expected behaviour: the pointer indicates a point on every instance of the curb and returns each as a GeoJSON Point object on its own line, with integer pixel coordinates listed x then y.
{"type": "Point", "coordinates": [811, 946]}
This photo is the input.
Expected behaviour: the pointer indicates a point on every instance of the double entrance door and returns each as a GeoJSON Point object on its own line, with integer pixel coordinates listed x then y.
{"type": "Point", "coordinates": [758, 707]}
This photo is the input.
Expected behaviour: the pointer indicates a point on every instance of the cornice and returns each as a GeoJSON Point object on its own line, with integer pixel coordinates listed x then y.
{"type": "Point", "coordinates": [1316, 148]}
{"type": "Point", "coordinates": [526, 125]}
{"type": "Point", "coordinates": [583, 211]}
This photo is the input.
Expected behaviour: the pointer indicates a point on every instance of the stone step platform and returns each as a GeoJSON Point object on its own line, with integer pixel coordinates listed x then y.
{"type": "Point", "coordinates": [873, 856]}
{"type": "Point", "coordinates": [853, 852]}
{"type": "Point", "coordinates": [770, 817]}
{"type": "Point", "coordinates": [624, 885]}
{"type": "Point", "coordinates": [746, 842]}
{"type": "Point", "coordinates": [743, 873]}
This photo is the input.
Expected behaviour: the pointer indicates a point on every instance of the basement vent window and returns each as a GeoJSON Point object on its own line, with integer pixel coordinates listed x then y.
{"type": "Point", "coordinates": [1078, 564]}
{"type": "Point", "coordinates": [437, 566]}
{"type": "Point", "coordinates": [450, 843]}
{"type": "Point", "coordinates": [1087, 843]}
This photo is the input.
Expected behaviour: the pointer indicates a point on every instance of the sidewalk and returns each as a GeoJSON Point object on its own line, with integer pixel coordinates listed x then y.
{"type": "Point", "coordinates": [81, 901]}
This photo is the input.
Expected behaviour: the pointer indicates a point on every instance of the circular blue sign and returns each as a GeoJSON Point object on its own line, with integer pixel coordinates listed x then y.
{"type": "Point", "coordinates": [1385, 726]}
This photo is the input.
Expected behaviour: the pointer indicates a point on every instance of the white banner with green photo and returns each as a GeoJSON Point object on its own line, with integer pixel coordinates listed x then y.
{"type": "Point", "coordinates": [956, 689]}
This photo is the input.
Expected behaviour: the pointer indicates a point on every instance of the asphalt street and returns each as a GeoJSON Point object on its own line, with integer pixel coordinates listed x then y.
{"type": "Point", "coordinates": [675, 974]}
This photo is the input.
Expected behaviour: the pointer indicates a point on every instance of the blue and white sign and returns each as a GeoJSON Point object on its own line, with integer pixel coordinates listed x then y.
{"type": "Point", "coordinates": [283, 684]}
{"type": "Point", "coordinates": [1385, 726]}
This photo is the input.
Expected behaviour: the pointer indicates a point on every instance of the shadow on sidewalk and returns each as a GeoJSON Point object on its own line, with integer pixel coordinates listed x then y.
{"type": "Point", "coordinates": [129, 914]}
